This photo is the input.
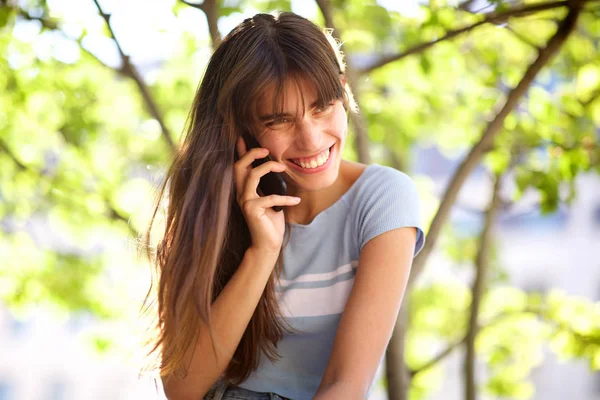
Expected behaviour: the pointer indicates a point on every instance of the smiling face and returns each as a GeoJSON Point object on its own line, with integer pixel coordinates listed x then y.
{"type": "Point", "coordinates": [307, 138]}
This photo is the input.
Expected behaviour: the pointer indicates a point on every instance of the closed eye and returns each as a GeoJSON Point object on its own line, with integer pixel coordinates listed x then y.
{"type": "Point", "coordinates": [277, 121]}
{"type": "Point", "coordinates": [323, 109]}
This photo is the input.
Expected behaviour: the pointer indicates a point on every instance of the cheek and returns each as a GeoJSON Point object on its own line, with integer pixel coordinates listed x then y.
{"type": "Point", "coordinates": [276, 143]}
{"type": "Point", "coordinates": [339, 123]}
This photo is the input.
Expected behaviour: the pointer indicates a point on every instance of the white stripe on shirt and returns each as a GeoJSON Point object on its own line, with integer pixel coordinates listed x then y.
{"type": "Point", "coordinates": [320, 277]}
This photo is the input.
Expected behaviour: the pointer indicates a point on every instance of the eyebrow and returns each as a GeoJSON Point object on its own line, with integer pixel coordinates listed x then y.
{"type": "Point", "coordinates": [273, 116]}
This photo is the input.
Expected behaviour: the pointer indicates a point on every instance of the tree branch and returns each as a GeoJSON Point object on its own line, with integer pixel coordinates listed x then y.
{"type": "Point", "coordinates": [493, 17]}
{"type": "Point", "coordinates": [487, 138]}
{"type": "Point", "coordinates": [439, 357]}
{"type": "Point", "coordinates": [130, 70]}
{"type": "Point", "coordinates": [8, 151]}
{"type": "Point", "coordinates": [210, 8]}
{"type": "Point", "coordinates": [357, 119]}
{"type": "Point", "coordinates": [465, 5]}
{"type": "Point", "coordinates": [455, 345]}
{"type": "Point", "coordinates": [114, 214]}
{"type": "Point", "coordinates": [394, 160]}
{"type": "Point", "coordinates": [52, 24]}
{"type": "Point", "coordinates": [325, 8]}
{"type": "Point", "coordinates": [523, 38]}
{"type": "Point", "coordinates": [47, 23]}
{"type": "Point", "coordinates": [478, 288]}
{"type": "Point", "coordinates": [595, 95]}
{"type": "Point", "coordinates": [451, 347]}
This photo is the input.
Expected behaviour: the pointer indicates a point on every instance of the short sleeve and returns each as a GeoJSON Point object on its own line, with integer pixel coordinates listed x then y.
{"type": "Point", "coordinates": [389, 200]}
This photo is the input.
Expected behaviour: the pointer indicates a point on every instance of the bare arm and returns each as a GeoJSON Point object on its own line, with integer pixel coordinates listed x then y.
{"type": "Point", "coordinates": [370, 315]}
{"type": "Point", "coordinates": [231, 313]}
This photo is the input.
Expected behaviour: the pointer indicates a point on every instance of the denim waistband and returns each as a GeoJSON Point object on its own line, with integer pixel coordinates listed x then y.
{"type": "Point", "coordinates": [225, 391]}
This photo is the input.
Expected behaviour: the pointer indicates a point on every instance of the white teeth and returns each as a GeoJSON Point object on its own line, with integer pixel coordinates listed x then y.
{"type": "Point", "coordinates": [314, 163]}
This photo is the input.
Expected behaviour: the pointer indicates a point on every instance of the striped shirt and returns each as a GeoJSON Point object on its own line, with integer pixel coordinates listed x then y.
{"type": "Point", "coordinates": [319, 265]}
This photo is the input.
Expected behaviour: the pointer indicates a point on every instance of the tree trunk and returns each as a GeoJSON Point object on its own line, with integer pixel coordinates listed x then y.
{"type": "Point", "coordinates": [478, 289]}
{"type": "Point", "coordinates": [397, 374]}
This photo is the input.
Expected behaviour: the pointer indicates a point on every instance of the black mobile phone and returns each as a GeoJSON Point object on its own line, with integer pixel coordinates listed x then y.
{"type": "Point", "coordinates": [272, 182]}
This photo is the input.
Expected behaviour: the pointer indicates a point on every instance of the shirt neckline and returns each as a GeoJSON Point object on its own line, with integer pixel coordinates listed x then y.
{"type": "Point", "coordinates": [337, 202]}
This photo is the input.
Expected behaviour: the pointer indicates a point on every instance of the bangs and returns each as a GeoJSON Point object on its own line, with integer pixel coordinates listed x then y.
{"type": "Point", "coordinates": [327, 90]}
{"type": "Point", "coordinates": [321, 77]}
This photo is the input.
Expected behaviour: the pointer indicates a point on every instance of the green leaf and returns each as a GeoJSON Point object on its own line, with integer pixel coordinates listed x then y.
{"type": "Point", "coordinates": [498, 160]}
{"type": "Point", "coordinates": [425, 63]}
{"type": "Point", "coordinates": [588, 80]}
{"type": "Point", "coordinates": [6, 14]}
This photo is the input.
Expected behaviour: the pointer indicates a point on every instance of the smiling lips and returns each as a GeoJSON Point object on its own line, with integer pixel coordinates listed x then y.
{"type": "Point", "coordinates": [313, 162]}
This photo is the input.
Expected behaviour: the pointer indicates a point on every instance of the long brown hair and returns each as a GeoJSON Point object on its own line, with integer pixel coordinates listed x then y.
{"type": "Point", "coordinates": [205, 234]}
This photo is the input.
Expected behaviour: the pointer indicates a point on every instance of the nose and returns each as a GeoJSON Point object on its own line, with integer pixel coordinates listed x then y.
{"type": "Point", "coordinates": [308, 135]}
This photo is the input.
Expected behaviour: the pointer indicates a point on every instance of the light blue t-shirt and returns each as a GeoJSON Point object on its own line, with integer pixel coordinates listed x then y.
{"type": "Point", "coordinates": [319, 265]}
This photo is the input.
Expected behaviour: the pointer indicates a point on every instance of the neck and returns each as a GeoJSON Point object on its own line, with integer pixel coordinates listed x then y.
{"type": "Point", "coordinates": [313, 202]}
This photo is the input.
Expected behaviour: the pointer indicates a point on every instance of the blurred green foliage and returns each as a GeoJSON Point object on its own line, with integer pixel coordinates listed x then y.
{"type": "Point", "coordinates": [80, 156]}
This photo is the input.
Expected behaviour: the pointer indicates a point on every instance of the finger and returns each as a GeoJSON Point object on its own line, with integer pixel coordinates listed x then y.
{"type": "Point", "coordinates": [276, 200]}
{"type": "Point", "coordinates": [240, 146]}
{"type": "Point", "coordinates": [251, 155]}
{"type": "Point", "coordinates": [242, 167]}
{"type": "Point", "coordinates": [254, 177]}
{"type": "Point", "coordinates": [262, 203]}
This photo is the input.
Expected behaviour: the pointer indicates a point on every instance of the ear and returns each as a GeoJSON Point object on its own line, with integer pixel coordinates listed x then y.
{"type": "Point", "coordinates": [343, 79]}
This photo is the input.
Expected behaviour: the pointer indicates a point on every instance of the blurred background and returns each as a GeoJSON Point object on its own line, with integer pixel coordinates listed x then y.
{"type": "Point", "coordinates": [493, 107]}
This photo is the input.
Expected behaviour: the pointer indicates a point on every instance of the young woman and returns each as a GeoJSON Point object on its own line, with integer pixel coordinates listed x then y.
{"type": "Point", "coordinates": [255, 303]}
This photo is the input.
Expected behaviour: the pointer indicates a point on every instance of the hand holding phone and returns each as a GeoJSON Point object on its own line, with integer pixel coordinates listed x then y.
{"type": "Point", "coordinates": [271, 183]}
{"type": "Point", "coordinates": [266, 225]}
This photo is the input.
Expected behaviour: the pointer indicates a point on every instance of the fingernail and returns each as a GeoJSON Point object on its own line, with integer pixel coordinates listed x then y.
{"type": "Point", "coordinates": [296, 199]}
